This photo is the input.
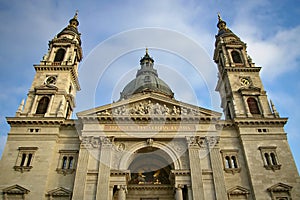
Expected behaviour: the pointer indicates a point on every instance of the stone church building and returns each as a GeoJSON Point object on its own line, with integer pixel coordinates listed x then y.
{"type": "Point", "coordinates": [147, 145]}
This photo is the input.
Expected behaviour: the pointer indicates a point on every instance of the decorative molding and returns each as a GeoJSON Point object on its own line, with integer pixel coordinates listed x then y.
{"type": "Point", "coordinates": [150, 187]}
{"type": "Point", "coordinates": [59, 192]}
{"type": "Point", "coordinates": [15, 189]}
{"type": "Point", "coordinates": [280, 190]}
{"type": "Point", "coordinates": [238, 190]}
{"type": "Point", "coordinates": [22, 168]}
{"type": "Point", "coordinates": [65, 171]}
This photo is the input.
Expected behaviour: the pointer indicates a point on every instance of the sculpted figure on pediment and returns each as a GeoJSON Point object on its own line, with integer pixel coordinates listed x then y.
{"type": "Point", "coordinates": [147, 107]}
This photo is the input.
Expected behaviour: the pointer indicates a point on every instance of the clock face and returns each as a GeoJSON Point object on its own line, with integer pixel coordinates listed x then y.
{"type": "Point", "coordinates": [245, 81]}
{"type": "Point", "coordinates": [50, 80]}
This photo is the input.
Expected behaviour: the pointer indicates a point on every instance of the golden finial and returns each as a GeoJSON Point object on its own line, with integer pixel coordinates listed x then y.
{"type": "Point", "coordinates": [146, 50]}
{"type": "Point", "coordinates": [76, 14]}
{"type": "Point", "coordinates": [219, 17]}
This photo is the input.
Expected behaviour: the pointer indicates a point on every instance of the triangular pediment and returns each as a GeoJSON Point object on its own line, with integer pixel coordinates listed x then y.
{"type": "Point", "coordinates": [280, 187]}
{"type": "Point", "coordinates": [238, 190]}
{"type": "Point", "coordinates": [149, 105]}
{"type": "Point", "coordinates": [60, 192]}
{"type": "Point", "coordinates": [15, 189]}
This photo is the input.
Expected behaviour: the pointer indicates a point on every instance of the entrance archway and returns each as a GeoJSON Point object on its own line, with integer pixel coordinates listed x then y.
{"type": "Point", "coordinates": [150, 169]}
{"type": "Point", "coordinates": [150, 165]}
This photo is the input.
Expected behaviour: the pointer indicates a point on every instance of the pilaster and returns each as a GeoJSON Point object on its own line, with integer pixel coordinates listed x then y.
{"type": "Point", "coordinates": [195, 167]}
{"type": "Point", "coordinates": [81, 171]}
{"type": "Point", "coordinates": [216, 164]}
{"type": "Point", "coordinates": [104, 168]}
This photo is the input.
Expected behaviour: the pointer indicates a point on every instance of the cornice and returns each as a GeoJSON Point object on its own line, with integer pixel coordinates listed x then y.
{"type": "Point", "coordinates": [146, 118]}
{"type": "Point", "coordinates": [260, 121]}
{"type": "Point", "coordinates": [40, 121]}
{"type": "Point", "coordinates": [242, 69]}
{"type": "Point", "coordinates": [150, 187]}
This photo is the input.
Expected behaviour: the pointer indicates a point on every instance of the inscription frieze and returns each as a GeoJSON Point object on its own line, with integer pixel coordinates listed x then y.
{"type": "Point", "coordinates": [149, 128]}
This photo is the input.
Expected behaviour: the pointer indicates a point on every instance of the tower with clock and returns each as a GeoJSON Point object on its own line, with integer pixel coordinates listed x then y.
{"type": "Point", "coordinates": [55, 84]}
{"type": "Point", "coordinates": [240, 87]}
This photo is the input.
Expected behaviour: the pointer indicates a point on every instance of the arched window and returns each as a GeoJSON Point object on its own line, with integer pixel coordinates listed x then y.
{"type": "Point", "coordinates": [273, 158]}
{"type": "Point", "coordinates": [253, 106]}
{"type": "Point", "coordinates": [227, 162]}
{"type": "Point", "coordinates": [267, 157]}
{"type": "Point", "coordinates": [59, 56]}
{"type": "Point", "coordinates": [70, 162]}
{"type": "Point", "coordinates": [236, 57]}
{"type": "Point", "coordinates": [29, 159]}
{"type": "Point", "coordinates": [23, 159]}
{"type": "Point", "coordinates": [42, 106]}
{"type": "Point", "coordinates": [234, 162]}
{"type": "Point", "coordinates": [64, 162]}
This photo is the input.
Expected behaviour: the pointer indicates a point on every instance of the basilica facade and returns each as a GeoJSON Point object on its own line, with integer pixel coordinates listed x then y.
{"type": "Point", "coordinates": [147, 145]}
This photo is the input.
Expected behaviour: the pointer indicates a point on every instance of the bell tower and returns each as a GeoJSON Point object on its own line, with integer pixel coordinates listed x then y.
{"type": "Point", "coordinates": [53, 90]}
{"type": "Point", "coordinates": [240, 87]}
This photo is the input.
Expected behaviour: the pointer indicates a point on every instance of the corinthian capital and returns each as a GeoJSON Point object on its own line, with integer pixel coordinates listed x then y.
{"type": "Point", "coordinates": [212, 141]}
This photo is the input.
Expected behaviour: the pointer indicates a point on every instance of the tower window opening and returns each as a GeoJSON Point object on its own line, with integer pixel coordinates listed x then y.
{"type": "Point", "coordinates": [230, 161]}
{"type": "Point", "coordinates": [59, 56]}
{"type": "Point", "coordinates": [270, 158]}
{"type": "Point", "coordinates": [234, 162]}
{"type": "Point", "coordinates": [42, 106]}
{"type": "Point", "coordinates": [227, 162]}
{"type": "Point", "coordinates": [236, 57]}
{"type": "Point", "coordinates": [273, 159]}
{"type": "Point", "coordinates": [29, 159]}
{"type": "Point", "coordinates": [70, 165]}
{"type": "Point", "coordinates": [267, 157]}
{"type": "Point", "coordinates": [64, 162]}
{"type": "Point", "coordinates": [67, 162]}
{"type": "Point", "coordinates": [253, 106]}
{"type": "Point", "coordinates": [23, 159]}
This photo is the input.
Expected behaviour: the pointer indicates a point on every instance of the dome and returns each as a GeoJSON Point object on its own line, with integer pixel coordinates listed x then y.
{"type": "Point", "coordinates": [146, 80]}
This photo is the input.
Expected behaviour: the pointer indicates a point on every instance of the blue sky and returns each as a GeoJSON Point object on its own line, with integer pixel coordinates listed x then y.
{"type": "Point", "coordinates": [270, 29]}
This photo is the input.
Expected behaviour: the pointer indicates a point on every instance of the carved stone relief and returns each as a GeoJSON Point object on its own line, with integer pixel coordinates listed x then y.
{"type": "Point", "coordinates": [149, 108]}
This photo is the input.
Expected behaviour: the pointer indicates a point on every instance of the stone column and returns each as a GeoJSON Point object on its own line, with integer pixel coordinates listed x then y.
{"type": "Point", "coordinates": [216, 165]}
{"type": "Point", "coordinates": [122, 192]}
{"type": "Point", "coordinates": [189, 191]}
{"type": "Point", "coordinates": [195, 167]}
{"type": "Point", "coordinates": [178, 194]}
{"type": "Point", "coordinates": [104, 168]}
{"type": "Point", "coordinates": [81, 170]}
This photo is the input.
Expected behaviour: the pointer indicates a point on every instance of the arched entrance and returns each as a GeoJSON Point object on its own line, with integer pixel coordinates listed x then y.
{"type": "Point", "coordinates": [150, 166]}
{"type": "Point", "coordinates": [150, 170]}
